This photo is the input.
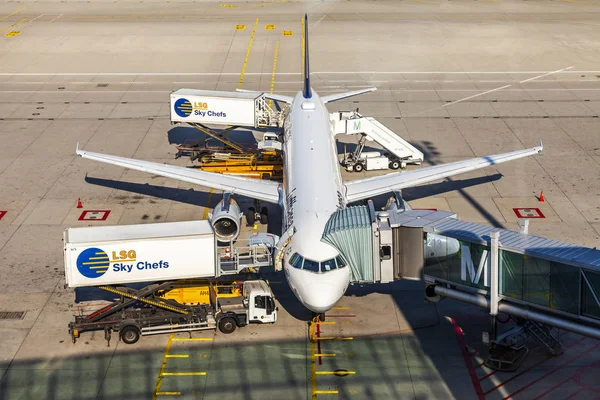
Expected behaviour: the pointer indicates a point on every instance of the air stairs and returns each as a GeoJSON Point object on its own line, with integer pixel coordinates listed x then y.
{"type": "Point", "coordinates": [351, 122]}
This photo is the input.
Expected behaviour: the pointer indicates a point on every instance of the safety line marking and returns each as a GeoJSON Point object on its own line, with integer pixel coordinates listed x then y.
{"type": "Point", "coordinates": [191, 339]}
{"type": "Point", "coordinates": [12, 13]}
{"type": "Point", "coordinates": [15, 24]}
{"type": "Point", "coordinates": [326, 392]}
{"type": "Point", "coordinates": [41, 15]}
{"type": "Point", "coordinates": [274, 69]}
{"type": "Point", "coordinates": [178, 356]}
{"type": "Point", "coordinates": [162, 368]}
{"type": "Point", "coordinates": [247, 55]}
{"type": "Point", "coordinates": [57, 18]}
{"type": "Point", "coordinates": [325, 355]}
{"type": "Point", "coordinates": [202, 373]}
{"type": "Point", "coordinates": [334, 338]}
{"type": "Point", "coordinates": [340, 308]}
{"type": "Point", "coordinates": [168, 393]}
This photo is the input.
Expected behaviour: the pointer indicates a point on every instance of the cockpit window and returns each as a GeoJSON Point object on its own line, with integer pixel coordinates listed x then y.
{"type": "Point", "coordinates": [328, 265]}
{"type": "Point", "coordinates": [340, 262]}
{"type": "Point", "coordinates": [310, 265]}
{"type": "Point", "coordinates": [296, 261]}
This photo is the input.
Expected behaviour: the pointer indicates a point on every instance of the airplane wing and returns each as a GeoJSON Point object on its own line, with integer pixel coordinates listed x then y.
{"type": "Point", "coordinates": [338, 96]}
{"type": "Point", "coordinates": [364, 188]}
{"type": "Point", "coordinates": [254, 188]}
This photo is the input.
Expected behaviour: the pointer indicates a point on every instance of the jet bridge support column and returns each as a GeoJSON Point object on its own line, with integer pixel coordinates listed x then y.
{"type": "Point", "coordinates": [494, 281]}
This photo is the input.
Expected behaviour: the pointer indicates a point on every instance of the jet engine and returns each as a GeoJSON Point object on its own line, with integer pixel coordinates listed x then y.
{"type": "Point", "coordinates": [226, 219]}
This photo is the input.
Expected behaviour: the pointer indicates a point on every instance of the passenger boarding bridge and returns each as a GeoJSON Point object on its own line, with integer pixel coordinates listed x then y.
{"type": "Point", "coordinates": [544, 285]}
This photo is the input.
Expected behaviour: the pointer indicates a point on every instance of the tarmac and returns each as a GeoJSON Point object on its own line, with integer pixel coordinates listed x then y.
{"type": "Point", "coordinates": [456, 78]}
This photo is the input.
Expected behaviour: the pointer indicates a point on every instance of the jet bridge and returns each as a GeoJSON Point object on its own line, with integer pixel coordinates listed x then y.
{"type": "Point", "coordinates": [544, 285]}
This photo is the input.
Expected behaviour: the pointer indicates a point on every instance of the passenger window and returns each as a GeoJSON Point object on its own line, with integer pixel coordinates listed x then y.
{"type": "Point", "coordinates": [296, 261]}
{"type": "Point", "coordinates": [310, 265]}
{"type": "Point", "coordinates": [340, 262]}
{"type": "Point", "coordinates": [328, 265]}
{"type": "Point", "coordinates": [259, 302]}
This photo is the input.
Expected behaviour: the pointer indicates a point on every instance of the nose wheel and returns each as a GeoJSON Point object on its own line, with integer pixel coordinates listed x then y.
{"type": "Point", "coordinates": [320, 316]}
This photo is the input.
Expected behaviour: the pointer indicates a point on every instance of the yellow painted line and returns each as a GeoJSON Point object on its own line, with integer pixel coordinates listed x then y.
{"type": "Point", "coordinates": [287, 33]}
{"type": "Point", "coordinates": [326, 392]}
{"type": "Point", "coordinates": [191, 339]}
{"type": "Point", "coordinates": [274, 70]}
{"type": "Point", "coordinates": [334, 338]}
{"type": "Point", "coordinates": [325, 355]}
{"type": "Point", "coordinates": [336, 373]}
{"type": "Point", "coordinates": [210, 193]}
{"type": "Point", "coordinates": [325, 323]}
{"type": "Point", "coordinates": [228, 6]}
{"type": "Point", "coordinates": [168, 393]}
{"type": "Point", "coordinates": [270, 27]}
{"type": "Point", "coordinates": [12, 13]}
{"type": "Point", "coordinates": [15, 24]}
{"type": "Point", "coordinates": [183, 373]}
{"type": "Point", "coordinates": [247, 56]}
{"type": "Point", "coordinates": [162, 368]}
{"type": "Point", "coordinates": [340, 308]}
{"type": "Point", "coordinates": [178, 356]}
{"type": "Point", "coordinates": [240, 27]}
{"type": "Point", "coordinates": [12, 33]}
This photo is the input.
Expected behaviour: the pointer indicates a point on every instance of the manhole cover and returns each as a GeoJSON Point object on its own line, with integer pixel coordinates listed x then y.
{"type": "Point", "coordinates": [12, 314]}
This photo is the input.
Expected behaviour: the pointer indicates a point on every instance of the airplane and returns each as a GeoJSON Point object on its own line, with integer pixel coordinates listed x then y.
{"type": "Point", "coordinates": [312, 189]}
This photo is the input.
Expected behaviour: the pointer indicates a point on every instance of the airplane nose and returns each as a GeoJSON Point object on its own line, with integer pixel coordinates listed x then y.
{"type": "Point", "coordinates": [321, 298]}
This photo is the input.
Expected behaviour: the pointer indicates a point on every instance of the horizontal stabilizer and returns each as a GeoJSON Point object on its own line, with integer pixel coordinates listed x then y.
{"type": "Point", "coordinates": [338, 96]}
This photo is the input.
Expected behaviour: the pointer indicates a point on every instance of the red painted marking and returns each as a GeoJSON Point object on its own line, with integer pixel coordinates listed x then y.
{"type": "Point", "coordinates": [94, 215]}
{"type": "Point", "coordinates": [572, 396]}
{"type": "Point", "coordinates": [528, 212]}
{"type": "Point", "coordinates": [2, 214]}
{"type": "Point", "coordinates": [529, 369]}
{"type": "Point", "coordinates": [488, 375]}
{"type": "Point", "coordinates": [552, 389]}
{"type": "Point", "coordinates": [319, 343]}
{"type": "Point", "coordinates": [551, 372]}
{"type": "Point", "coordinates": [468, 361]}
{"type": "Point", "coordinates": [577, 377]}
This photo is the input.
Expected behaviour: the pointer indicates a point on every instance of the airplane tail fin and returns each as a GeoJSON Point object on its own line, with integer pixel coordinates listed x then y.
{"type": "Point", "coordinates": [306, 90]}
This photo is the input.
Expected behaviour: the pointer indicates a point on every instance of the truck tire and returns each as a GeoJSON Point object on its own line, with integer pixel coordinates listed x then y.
{"type": "Point", "coordinates": [264, 216]}
{"type": "Point", "coordinates": [250, 217]}
{"type": "Point", "coordinates": [358, 167]}
{"type": "Point", "coordinates": [227, 325]}
{"type": "Point", "coordinates": [394, 164]}
{"type": "Point", "coordinates": [130, 334]}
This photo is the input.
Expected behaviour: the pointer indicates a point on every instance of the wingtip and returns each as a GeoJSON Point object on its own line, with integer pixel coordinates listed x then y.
{"type": "Point", "coordinates": [77, 151]}
{"type": "Point", "coordinates": [541, 145]}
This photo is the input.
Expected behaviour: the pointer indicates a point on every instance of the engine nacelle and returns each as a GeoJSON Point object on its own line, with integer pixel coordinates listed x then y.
{"type": "Point", "coordinates": [226, 219]}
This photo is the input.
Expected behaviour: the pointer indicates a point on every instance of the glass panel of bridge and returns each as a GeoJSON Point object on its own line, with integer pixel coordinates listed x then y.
{"type": "Point", "coordinates": [589, 306]}
{"type": "Point", "coordinates": [564, 287]}
{"type": "Point", "coordinates": [511, 270]}
{"type": "Point", "coordinates": [536, 281]}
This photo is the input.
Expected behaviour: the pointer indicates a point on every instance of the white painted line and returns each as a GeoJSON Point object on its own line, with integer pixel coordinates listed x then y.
{"type": "Point", "coordinates": [475, 95]}
{"type": "Point", "coordinates": [268, 73]}
{"type": "Point", "coordinates": [549, 73]}
{"type": "Point", "coordinates": [36, 17]}
{"type": "Point", "coordinates": [57, 18]}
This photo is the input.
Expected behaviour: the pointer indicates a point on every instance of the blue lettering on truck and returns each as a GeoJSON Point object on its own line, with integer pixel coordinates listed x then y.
{"type": "Point", "coordinates": [94, 262]}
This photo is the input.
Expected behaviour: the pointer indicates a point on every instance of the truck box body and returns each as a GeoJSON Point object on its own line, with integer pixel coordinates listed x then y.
{"type": "Point", "coordinates": [110, 255]}
{"type": "Point", "coordinates": [212, 107]}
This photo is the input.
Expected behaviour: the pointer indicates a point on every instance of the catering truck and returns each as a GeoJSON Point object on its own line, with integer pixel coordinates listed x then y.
{"type": "Point", "coordinates": [165, 260]}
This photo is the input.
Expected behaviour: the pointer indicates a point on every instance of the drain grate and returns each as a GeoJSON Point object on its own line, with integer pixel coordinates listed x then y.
{"type": "Point", "coordinates": [102, 85]}
{"type": "Point", "coordinates": [12, 314]}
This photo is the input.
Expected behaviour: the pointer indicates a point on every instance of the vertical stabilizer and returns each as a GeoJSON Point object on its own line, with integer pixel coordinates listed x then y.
{"type": "Point", "coordinates": [306, 90]}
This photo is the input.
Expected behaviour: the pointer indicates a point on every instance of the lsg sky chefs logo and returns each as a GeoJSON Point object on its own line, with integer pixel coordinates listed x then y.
{"type": "Point", "coordinates": [94, 262]}
{"type": "Point", "coordinates": [184, 108]}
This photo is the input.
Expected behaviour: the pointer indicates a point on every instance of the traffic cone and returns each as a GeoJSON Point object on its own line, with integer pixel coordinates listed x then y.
{"type": "Point", "coordinates": [542, 196]}
{"type": "Point", "coordinates": [79, 205]}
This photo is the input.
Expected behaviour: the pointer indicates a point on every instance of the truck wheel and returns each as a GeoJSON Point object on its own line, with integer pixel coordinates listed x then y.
{"type": "Point", "coordinates": [264, 216]}
{"type": "Point", "coordinates": [227, 325]}
{"type": "Point", "coordinates": [130, 334]}
{"type": "Point", "coordinates": [395, 164]}
{"type": "Point", "coordinates": [358, 167]}
{"type": "Point", "coordinates": [250, 216]}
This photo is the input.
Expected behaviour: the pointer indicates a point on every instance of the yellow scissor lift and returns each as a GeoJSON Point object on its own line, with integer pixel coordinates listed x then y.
{"type": "Point", "coordinates": [234, 159]}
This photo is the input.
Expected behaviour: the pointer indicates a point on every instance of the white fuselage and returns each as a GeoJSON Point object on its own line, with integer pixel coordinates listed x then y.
{"type": "Point", "coordinates": [313, 192]}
